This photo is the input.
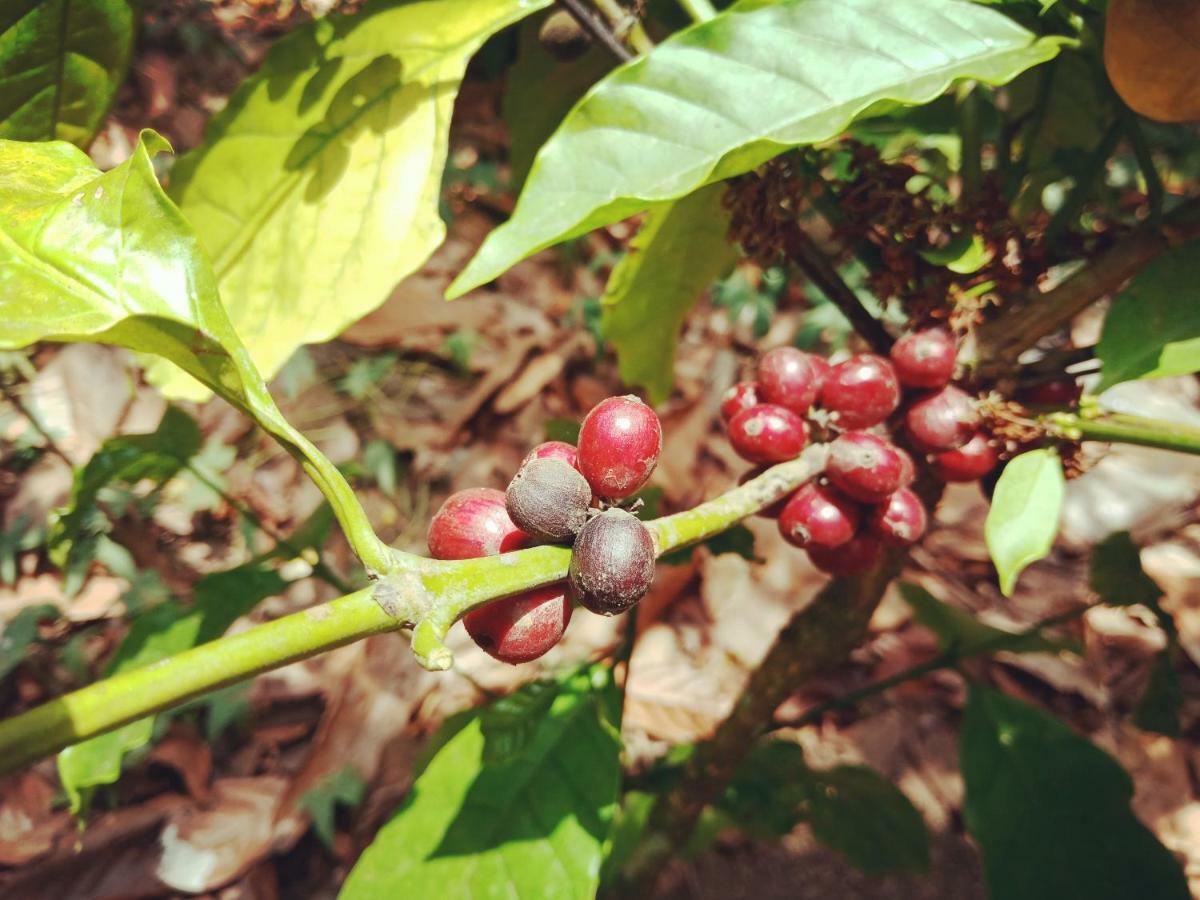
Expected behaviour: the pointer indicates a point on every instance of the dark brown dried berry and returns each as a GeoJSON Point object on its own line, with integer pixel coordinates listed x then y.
{"type": "Point", "coordinates": [612, 563]}
{"type": "Point", "coordinates": [548, 500]}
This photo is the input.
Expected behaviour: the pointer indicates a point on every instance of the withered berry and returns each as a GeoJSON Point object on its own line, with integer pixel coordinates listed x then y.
{"type": "Point", "coordinates": [548, 500]}
{"type": "Point", "coordinates": [619, 444]}
{"type": "Point", "coordinates": [612, 562]}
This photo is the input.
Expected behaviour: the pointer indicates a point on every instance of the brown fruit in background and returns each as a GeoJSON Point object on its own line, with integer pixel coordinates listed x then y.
{"type": "Point", "coordinates": [1152, 53]}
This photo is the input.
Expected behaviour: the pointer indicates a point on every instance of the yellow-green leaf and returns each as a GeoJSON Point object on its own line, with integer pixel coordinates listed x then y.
{"type": "Point", "coordinates": [1023, 520]}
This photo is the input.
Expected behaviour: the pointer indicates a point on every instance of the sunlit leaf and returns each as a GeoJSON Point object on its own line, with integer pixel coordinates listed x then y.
{"type": "Point", "coordinates": [1023, 519]}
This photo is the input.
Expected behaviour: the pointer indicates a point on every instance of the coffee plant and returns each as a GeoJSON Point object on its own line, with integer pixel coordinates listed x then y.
{"type": "Point", "coordinates": [946, 184]}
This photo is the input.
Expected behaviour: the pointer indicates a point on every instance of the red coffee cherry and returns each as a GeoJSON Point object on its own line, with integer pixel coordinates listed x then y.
{"type": "Point", "coordinates": [907, 466]}
{"type": "Point", "coordinates": [521, 628]}
{"type": "Point", "coordinates": [742, 395]}
{"type": "Point", "coordinates": [864, 466]}
{"type": "Point", "coordinates": [861, 391]}
{"type": "Point", "coordinates": [972, 460]}
{"type": "Point", "coordinates": [548, 500]}
{"type": "Point", "coordinates": [1059, 392]}
{"type": "Point", "coordinates": [787, 378]}
{"type": "Point", "coordinates": [854, 557]}
{"type": "Point", "coordinates": [767, 512]}
{"type": "Point", "coordinates": [553, 450]}
{"type": "Point", "coordinates": [821, 368]}
{"type": "Point", "coordinates": [925, 358]}
{"type": "Point", "coordinates": [942, 420]}
{"type": "Point", "coordinates": [817, 514]}
{"type": "Point", "coordinates": [899, 520]}
{"type": "Point", "coordinates": [612, 562]}
{"type": "Point", "coordinates": [474, 523]}
{"type": "Point", "coordinates": [767, 434]}
{"type": "Point", "coordinates": [619, 443]}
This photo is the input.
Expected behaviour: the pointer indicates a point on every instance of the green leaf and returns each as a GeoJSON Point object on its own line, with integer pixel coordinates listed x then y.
{"type": "Point", "coordinates": [724, 96]}
{"type": "Point", "coordinates": [1152, 330]}
{"type": "Point", "coordinates": [316, 189]}
{"type": "Point", "coordinates": [1023, 519]}
{"type": "Point", "coordinates": [531, 826]}
{"type": "Point", "coordinates": [962, 633]}
{"type": "Point", "coordinates": [1051, 812]}
{"type": "Point", "coordinates": [61, 62]}
{"type": "Point", "coordinates": [19, 633]}
{"type": "Point", "coordinates": [680, 250]}
{"type": "Point", "coordinates": [965, 254]}
{"type": "Point", "coordinates": [163, 631]}
{"type": "Point", "coordinates": [510, 723]}
{"type": "Point", "coordinates": [344, 787]}
{"type": "Point", "coordinates": [126, 459]}
{"type": "Point", "coordinates": [1116, 573]}
{"type": "Point", "coordinates": [1161, 703]}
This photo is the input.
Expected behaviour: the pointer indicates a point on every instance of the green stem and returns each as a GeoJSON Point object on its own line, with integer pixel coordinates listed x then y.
{"type": "Point", "coordinates": [428, 598]}
{"type": "Point", "coordinates": [625, 24]}
{"type": "Point", "coordinates": [699, 10]}
{"type": "Point", "coordinates": [1145, 158]}
{"type": "Point", "coordinates": [1124, 429]}
{"type": "Point", "coordinates": [970, 114]}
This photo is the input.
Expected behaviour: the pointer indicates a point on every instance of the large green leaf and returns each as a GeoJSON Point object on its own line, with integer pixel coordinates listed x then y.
{"type": "Point", "coordinates": [681, 249]}
{"type": "Point", "coordinates": [316, 189]}
{"type": "Point", "coordinates": [1153, 327]}
{"type": "Point", "coordinates": [1023, 519]}
{"type": "Point", "coordinates": [1051, 812]}
{"type": "Point", "coordinates": [61, 62]}
{"type": "Point", "coordinates": [721, 97]}
{"type": "Point", "coordinates": [532, 824]}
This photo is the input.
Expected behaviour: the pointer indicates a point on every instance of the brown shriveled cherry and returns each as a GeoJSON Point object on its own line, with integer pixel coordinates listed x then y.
{"type": "Point", "coordinates": [864, 466]}
{"type": "Point", "coordinates": [1059, 392]}
{"type": "Point", "coordinates": [787, 378]}
{"type": "Point", "coordinates": [899, 520]}
{"type": "Point", "coordinates": [612, 562]}
{"type": "Point", "coordinates": [553, 450]}
{"type": "Point", "coordinates": [855, 556]}
{"type": "Point", "coordinates": [925, 358]}
{"type": "Point", "coordinates": [474, 523]}
{"type": "Point", "coordinates": [861, 391]}
{"type": "Point", "coordinates": [767, 434]}
{"type": "Point", "coordinates": [767, 512]}
{"type": "Point", "coordinates": [521, 628]}
{"type": "Point", "coordinates": [548, 500]}
{"type": "Point", "coordinates": [619, 444]}
{"type": "Point", "coordinates": [971, 461]}
{"type": "Point", "coordinates": [819, 514]}
{"type": "Point", "coordinates": [742, 395]}
{"type": "Point", "coordinates": [942, 420]}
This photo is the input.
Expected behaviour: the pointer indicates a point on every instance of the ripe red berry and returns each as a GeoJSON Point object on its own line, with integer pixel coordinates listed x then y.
{"type": "Point", "coordinates": [899, 520]}
{"type": "Point", "coordinates": [787, 378]}
{"type": "Point", "coordinates": [942, 420]}
{"type": "Point", "coordinates": [548, 500]}
{"type": "Point", "coordinates": [1059, 392]}
{"type": "Point", "coordinates": [864, 466]}
{"type": "Point", "coordinates": [612, 562]}
{"type": "Point", "coordinates": [742, 395]}
{"type": "Point", "coordinates": [553, 450]}
{"type": "Point", "coordinates": [926, 358]}
{"type": "Point", "coordinates": [521, 628]}
{"type": "Point", "coordinates": [855, 556]}
{"type": "Point", "coordinates": [474, 523]}
{"type": "Point", "coordinates": [822, 368]}
{"type": "Point", "coordinates": [619, 444]}
{"type": "Point", "coordinates": [817, 514]}
{"type": "Point", "coordinates": [767, 512]}
{"type": "Point", "coordinates": [767, 434]}
{"type": "Point", "coordinates": [861, 391]}
{"type": "Point", "coordinates": [907, 466]}
{"type": "Point", "coordinates": [972, 460]}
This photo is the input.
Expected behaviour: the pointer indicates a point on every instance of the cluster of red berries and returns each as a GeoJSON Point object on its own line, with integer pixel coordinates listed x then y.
{"type": "Point", "coordinates": [863, 499]}
{"type": "Point", "coordinates": [561, 494]}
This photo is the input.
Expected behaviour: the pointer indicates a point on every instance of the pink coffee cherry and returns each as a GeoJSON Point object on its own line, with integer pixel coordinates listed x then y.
{"type": "Point", "coordinates": [854, 557]}
{"type": "Point", "coordinates": [553, 450]}
{"type": "Point", "coordinates": [971, 461]}
{"type": "Point", "coordinates": [521, 628]}
{"type": "Point", "coordinates": [474, 523]}
{"type": "Point", "coordinates": [861, 391]}
{"type": "Point", "coordinates": [742, 395]}
{"type": "Point", "coordinates": [925, 358]}
{"type": "Point", "coordinates": [819, 514]}
{"type": "Point", "coordinates": [900, 520]}
{"type": "Point", "coordinates": [767, 434]}
{"type": "Point", "coordinates": [619, 444]}
{"type": "Point", "coordinates": [864, 466]}
{"type": "Point", "coordinates": [942, 420]}
{"type": "Point", "coordinates": [787, 377]}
